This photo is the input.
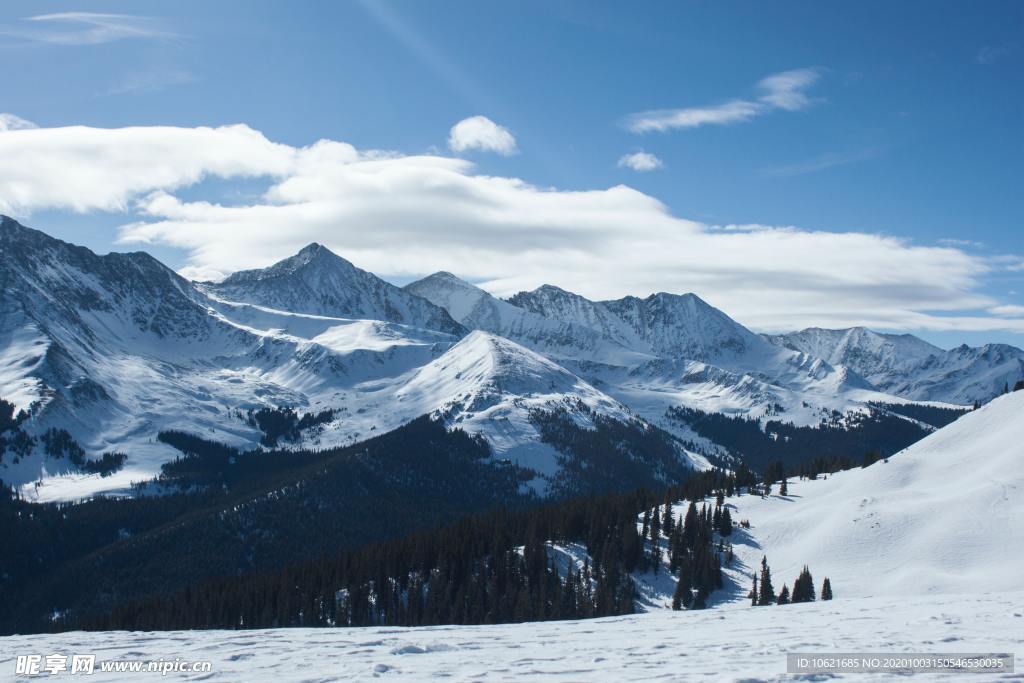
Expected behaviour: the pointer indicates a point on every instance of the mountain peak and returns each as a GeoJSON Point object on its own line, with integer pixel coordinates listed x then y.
{"type": "Point", "coordinates": [553, 289]}
{"type": "Point", "coordinates": [316, 281]}
{"type": "Point", "coordinates": [451, 293]}
{"type": "Point", "coordinates": [314, 249]}
{"type": "Point", "coordinates": [443, 278]}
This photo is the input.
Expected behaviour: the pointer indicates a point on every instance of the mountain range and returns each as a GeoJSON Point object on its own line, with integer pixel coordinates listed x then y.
{"type": "Point", "coordinates": [115, 349]}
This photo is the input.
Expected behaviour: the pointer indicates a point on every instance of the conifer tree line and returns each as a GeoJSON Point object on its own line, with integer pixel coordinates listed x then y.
{"type": "Point", "coordinates": [693, 556]}
{"type": "Point", "coordinates": [762, 593]}
{"type": "Point", "coordinates": [492, 568]}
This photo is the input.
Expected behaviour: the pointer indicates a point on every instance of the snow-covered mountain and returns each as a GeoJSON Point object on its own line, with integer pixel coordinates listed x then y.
{"type": "Point", "coordinates": [556, 337]}
{"type": "Point", "coordinates": [655, 353]}
{"type": "Point", "coordinates": [910, 367]}
{"type": "Point", "coordinates": [115, 348]}
{"type": "Point", "coordinates": [319, 282]}
{"type": "Point", "coordinates": [668, 325]}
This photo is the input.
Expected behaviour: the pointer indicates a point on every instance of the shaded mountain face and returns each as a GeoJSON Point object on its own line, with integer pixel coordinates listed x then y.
{"type": "Point", "coordinates": [560, 338]}
{"type": "Point", "coordinates": [65, 312]}
{"type": "Point", "coordinates": [319, 282]}
{"type": "Point", "coordinates": [558, 304]}
{"type": "Point", "coordinates": [59, 284]}
{"type": "Point", "coordinates": [670, 325]}
{"type": "Point", "coordinates": [870, 354]}
{"type": "Point", "coordinates": [912, 368]}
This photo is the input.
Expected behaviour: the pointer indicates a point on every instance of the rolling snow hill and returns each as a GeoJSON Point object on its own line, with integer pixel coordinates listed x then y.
{"type": "Point", "coordinates": [938, 518]}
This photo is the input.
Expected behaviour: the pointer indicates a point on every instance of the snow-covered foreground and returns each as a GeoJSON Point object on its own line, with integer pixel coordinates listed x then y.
{"type": "Point", "coordinates": [921, 552]}
{"type": "Point", "coordinates": [727, 643]}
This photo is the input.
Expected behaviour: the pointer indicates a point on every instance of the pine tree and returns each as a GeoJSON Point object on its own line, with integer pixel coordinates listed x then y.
{"type": "Point", "coordinates": [690, 527]}
{"type": "Point", "coordinates": [666, 521]}
{"type": "Point", "coordinates": [803, 587]}
{"type": "Point", "coordinates": [767, 594]}
{"type": "Point", "coordinates": [784, 595]}
{"type": "Point", "coordinates": [682, 596]}
{"type": "Point", "coordinates": [754, 593]}
{"type": "Point", "coordinates": [725, 523]}
{"type": "Point", "coordinates": [784, 489]}
{"type": "Point", "coordinates": [826, 589]}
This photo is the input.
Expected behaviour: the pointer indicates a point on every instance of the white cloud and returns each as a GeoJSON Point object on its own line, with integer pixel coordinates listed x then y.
{"type": "Point", "coordinates": [87, 28]}
{"type": "Point", "coordinates": [640, 162]}
{"type": "Point", "coordinates": [1008, 310]}
{"type": "Point", "coordinates": [786, 90]}
{"type": "Point", "coordinates": [12, 122]}
{"type": "Point", "coordinates": [82, 169]}
{"type": "Point", "coordinates": [779, 91]}
{"type": "Point", "coordinates": [662, 120]}
{"type": "Point", "coordinates": [479, 132]}
{"type": "Point", "coordinates": [404, 216]}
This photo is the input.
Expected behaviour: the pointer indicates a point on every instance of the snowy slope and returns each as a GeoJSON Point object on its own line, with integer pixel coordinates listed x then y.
{"type": "Point", "coordinates": [487, 385]}
{"type": "Point", "coordinates": [735, 643]}
{"type": "Point", "coordinates": [910, 367]}
{"type": "Point", "coordinates": [938, 517]}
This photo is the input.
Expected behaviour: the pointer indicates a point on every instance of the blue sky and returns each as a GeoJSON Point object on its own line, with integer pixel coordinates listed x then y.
{"type": "Point", "coordinates": [897, 121]}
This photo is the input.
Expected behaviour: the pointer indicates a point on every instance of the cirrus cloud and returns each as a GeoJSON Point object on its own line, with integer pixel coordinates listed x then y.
{"type": "Point", "coordinates": [785, 91]}
{"type": "Point", "coordinates": [87, 28]}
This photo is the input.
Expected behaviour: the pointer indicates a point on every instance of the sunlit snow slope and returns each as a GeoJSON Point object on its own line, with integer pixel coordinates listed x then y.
{"type": "Point", "coordinates": [942, 516]}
